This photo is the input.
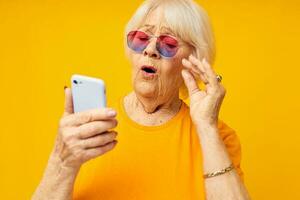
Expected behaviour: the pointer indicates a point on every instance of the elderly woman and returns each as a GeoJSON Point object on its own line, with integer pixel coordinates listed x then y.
{"type": "Point", "coordinates": [165, 149]}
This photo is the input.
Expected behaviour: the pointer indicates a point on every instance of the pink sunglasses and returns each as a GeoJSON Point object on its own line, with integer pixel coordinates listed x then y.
{"type": "Point", "coordinates": [166, 45]}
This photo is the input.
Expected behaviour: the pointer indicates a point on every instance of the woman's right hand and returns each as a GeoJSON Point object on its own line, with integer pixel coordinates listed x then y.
{"type": "Point", "coordinates": [83, 135]}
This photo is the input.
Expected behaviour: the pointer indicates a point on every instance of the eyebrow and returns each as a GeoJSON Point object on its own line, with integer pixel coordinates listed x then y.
{"type": "Point", "coordinates": [149, 26]}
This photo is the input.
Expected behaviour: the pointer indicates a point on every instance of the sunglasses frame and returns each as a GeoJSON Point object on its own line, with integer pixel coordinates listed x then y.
{"type": "Point", "coordinates": [179, 43]}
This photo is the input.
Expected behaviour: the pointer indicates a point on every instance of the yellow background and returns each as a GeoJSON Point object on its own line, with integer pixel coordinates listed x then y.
{"type": "Point", "coordinates": [42, 43]}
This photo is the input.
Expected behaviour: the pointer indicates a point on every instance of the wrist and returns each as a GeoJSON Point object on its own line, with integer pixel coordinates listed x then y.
{"type": "Point", "coordinates": [205, 122]}
{"type": "Point", "coordinates": [56, 165]}
{"type": "Point", "coordinates": [208, 131]}
{"type": "Point", "coordinates": [206, 126]}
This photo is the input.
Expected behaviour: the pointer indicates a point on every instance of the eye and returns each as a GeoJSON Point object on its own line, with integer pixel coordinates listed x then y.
{"type": "Point", "coordinates": [171, 46]}
{"type": "Point", "coordinates": [142, 38]}
{"type": "Point", "coordinates": [169, 42]}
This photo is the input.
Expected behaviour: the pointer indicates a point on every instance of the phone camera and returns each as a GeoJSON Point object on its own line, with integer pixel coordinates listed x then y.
{"type": "Point", "coordinates": [74, 81]}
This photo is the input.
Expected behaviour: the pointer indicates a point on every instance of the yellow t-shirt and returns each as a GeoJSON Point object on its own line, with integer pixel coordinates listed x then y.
{"type": "Point", "coordinates": [152, 162]}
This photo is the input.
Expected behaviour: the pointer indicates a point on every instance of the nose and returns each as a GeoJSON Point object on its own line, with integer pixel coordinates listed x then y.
{"type": "Point", "coordinates": [151, 50]}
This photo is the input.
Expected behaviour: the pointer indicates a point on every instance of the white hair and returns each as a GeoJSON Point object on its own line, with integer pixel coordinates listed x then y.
{"type": "Point", "coordinates": [186, 19]}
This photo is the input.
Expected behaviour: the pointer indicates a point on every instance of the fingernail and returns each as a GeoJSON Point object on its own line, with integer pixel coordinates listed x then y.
{"type": "Point", "coordinates": [65, 87]}
{"type": "Point", "coordinates": [184, 72]}
{"type": "Point", "coordinates": [111, 113]}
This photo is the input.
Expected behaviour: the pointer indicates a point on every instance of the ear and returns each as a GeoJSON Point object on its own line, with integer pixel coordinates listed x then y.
{"type": "Point", "coordinates": [197, 53]}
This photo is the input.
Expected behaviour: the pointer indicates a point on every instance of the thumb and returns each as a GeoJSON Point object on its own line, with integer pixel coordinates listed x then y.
{"type": "Point", "coordinates": [190, 82]}
{"type": "Point", "coordinates": [68, 102]}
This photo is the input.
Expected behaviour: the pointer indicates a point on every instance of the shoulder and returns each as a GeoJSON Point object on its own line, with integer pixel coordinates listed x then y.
{"type": "Point", "coordinates": [226, 132]}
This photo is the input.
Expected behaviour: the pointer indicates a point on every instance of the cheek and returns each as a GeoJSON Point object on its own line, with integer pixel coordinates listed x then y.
{"type": "Point", "coordinates": [172, 73]}
{"type": "Point", "coordinates": [173, 66]}
{"type": "Point", "coordinates": [134, 61]}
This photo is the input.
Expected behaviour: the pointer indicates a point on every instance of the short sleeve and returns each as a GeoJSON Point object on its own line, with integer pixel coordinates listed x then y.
{"type": "Point", "coordinates": [233, 146]}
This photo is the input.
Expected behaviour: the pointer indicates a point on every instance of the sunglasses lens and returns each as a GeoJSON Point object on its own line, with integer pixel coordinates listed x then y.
{"type": "Point", "coordinates": [137, 40]}
{"type": "Point", "coordinates": [167, 46]}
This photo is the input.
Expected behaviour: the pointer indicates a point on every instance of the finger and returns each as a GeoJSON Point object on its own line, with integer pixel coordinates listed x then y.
{"type": "Point", "coordinates": [187, 64]}
{"type": "Point", "coordinates": [197, 75]}
{"type": "Point", "coordinates": [96, 127]}
{"type": "Point", "coordinates": [197, 63]}
{"type": "Point", "coordinates": [190, 82]}
{"type": "Point", "coordinates": [68, 102]}
{"type": "Point", "coordinates": [94, 152]}
{"type": "Point", "coordinates": [99, 140]}
{"type": "Point", "coordinates": [84, 117]}
{"type": "Point", "coordinates": [192, 66]}
{"type": "Point", "coordinates": [210, 77]}
{"type": "Point", "coordinates": [196, 71]}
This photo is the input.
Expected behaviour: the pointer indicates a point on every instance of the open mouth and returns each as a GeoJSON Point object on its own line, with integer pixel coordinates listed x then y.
{"type": "Point", "coordinates": [149, 69]}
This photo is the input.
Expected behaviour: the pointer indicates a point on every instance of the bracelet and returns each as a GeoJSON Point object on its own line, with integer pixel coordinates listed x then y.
{"type": "Point", "coordinates": [220, 172]}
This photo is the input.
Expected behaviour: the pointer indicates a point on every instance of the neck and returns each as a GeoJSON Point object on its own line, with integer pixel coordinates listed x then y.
{"type": "Point", "coordinates": [151, 111]}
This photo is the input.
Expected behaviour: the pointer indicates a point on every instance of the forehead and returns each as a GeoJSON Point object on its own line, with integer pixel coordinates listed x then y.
{"type": "Point", "coordinates": [159, 28]}
{"type": "Point", "coordinates": [155, 22]}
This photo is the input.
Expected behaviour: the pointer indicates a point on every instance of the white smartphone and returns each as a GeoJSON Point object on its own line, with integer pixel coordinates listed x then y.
{"type": "Point", "coordinates": [88, 93]}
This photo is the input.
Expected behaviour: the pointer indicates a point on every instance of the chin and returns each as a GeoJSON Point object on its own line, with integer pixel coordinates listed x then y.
{"type": "Point", "coordinates": [146, 89]}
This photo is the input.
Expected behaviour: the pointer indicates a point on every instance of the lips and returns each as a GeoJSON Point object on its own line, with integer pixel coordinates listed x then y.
{"type": "Point", "coordinates": [149, 69]}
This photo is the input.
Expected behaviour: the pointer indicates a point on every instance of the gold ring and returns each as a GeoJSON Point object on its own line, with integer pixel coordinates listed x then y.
{"type": "Point", "coordinates": [219, 78]}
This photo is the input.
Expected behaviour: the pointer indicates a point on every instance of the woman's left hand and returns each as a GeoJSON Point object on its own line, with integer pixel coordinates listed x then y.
{"type": "Point", "coordinates": [204, 104]}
